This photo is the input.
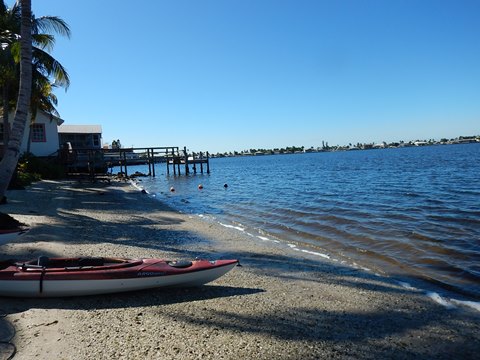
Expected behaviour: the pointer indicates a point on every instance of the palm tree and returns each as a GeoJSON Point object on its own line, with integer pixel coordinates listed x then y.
{"type": "Point", "coordinates": [41, 71]}
{"type": "Point", "coordinates": [9, 84]}
{"type": "Point", "coordinates": [45, 67]}
{"type": "Point", "coordinates": [10, 157]}
{"type": "Point", "coordinates": [10, 20]}
{"type": "Point", "coordinates": [43, 99]}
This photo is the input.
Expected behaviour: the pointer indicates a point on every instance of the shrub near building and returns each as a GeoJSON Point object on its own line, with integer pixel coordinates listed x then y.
{"type": "Point", "coordinates": [31, 168]}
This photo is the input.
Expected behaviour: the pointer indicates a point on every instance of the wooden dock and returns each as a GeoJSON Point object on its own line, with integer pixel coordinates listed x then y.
{"type": "Point", "coordinates": [96, 162]}
{"type": "Point", "coordinates": [177, 161]}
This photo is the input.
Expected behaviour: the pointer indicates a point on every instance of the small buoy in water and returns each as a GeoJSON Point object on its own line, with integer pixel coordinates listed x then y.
{"type": "Point", "coordinates": [225, 186]}
{"type": "Point", "coordinates": [172, 189]}
{"type": "Point", "coordinates": [200, 187]}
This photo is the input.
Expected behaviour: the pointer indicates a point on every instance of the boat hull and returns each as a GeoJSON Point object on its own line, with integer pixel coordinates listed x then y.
{"type": "Point", "coordinates": [7, 236]}
{"type": "Point", "coordinates": [38, 282]}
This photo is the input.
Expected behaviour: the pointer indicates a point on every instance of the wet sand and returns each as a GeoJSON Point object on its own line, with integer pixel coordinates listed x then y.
{"type": "Point", "coordinates": [281, 304]}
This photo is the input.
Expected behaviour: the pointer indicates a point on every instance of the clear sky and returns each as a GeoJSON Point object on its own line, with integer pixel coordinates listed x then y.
{"type": "Point", "coordinates": [224, 75]}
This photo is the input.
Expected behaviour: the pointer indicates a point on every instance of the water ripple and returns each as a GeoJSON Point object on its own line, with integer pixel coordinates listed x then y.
{"type": "Point", "coordinates": [414, 210]}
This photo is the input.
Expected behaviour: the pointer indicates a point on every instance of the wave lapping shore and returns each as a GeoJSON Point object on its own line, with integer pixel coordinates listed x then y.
{"type": "Point", "coordinates": [408, 210]}
{"type": "Point", "coordinates": [282, 303]}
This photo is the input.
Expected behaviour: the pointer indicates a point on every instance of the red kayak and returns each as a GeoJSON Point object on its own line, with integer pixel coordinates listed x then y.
{"type": "Point", "coordinates": [52, 277]}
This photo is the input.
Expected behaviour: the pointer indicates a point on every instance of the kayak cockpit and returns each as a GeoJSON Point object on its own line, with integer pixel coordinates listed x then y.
{"type": "Point", "coordinates": [81, 263]}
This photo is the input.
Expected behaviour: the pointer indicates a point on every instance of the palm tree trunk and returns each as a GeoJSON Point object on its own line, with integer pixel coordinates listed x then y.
{"type": "Point", "coordinates": [6, 124]}
{"type": "Point", "coordinates": [10, 158]}
{"type": "Point", "coordinates": [29, 139]}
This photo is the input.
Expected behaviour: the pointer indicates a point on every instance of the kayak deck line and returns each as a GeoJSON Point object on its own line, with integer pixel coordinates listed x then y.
{"type": "Point", "coordinates": [66, 264]}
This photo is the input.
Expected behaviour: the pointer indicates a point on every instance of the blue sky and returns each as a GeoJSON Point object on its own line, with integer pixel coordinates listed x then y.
{"type": "Point", "coordinates": [224, 75]}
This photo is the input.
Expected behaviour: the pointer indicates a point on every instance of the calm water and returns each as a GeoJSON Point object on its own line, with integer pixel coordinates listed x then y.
{"type": "Point", "coordinates": [412, 211]}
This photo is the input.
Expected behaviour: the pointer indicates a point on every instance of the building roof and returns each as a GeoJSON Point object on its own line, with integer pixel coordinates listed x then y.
{"type": "Point", "coordinates": [53, 117]}
{"type": "Point", "coordinates": [80, 129]}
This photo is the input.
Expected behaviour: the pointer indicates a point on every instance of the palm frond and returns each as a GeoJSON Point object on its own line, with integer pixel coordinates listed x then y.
{"type": "Point", "coordinates": [15, 51]}
{"type": "Point", "coordinates": [49, 24]}
{"type": "Point", "coordinates": [47, 73]}
{"type": "Point", "coordinates": [45, 63]}
{"type": "Point", "coordinates": [44, 41]}
{"type": "Point", "coordinates": [10, 23]}
{"type": "Point", "coordinates": [42, 97]}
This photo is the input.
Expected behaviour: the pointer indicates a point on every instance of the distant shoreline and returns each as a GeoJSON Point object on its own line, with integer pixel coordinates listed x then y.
{"type": "Point", "coordinates": [365, 146]}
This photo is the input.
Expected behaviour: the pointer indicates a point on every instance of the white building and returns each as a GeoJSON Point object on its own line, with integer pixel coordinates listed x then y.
{"type": "Point", "coordinates": [43, 134]}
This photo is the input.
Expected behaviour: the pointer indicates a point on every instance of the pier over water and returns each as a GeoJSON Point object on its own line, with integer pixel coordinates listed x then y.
{"type": "Point", "coordinates": [96, 162]}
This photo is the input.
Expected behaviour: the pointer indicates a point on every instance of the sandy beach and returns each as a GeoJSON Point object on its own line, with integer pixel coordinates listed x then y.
{"type": "Point", "coordinates": [280, 304]}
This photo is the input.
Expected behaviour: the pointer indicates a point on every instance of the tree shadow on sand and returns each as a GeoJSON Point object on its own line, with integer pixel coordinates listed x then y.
{"type": "Point", "coordinates": [7, 332]}
{"type": "Point", "coordinates": [137, 299]}
{"type": "Point", "coordinates": [378, 334]}
{"type": "Point", "coordinates": [323, 331]}
{"type": "Point", "coordinates": [71, 224]}
{"type": "Point", "coordinates": [133, 299]}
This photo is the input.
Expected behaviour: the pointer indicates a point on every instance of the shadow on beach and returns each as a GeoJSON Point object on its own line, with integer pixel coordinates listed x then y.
{"type": "Point", "coordinates": [7, 332]}
{"type": "Point", "coordinates": [134, 299]}
{"type": "Point", "coordinates": [327, 309]}
{"type": "Point", "coordinates": [377, 334]}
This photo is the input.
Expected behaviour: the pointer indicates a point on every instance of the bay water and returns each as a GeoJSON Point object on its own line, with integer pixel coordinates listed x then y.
{"type": "Point", "coordinates": [412, 212]}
